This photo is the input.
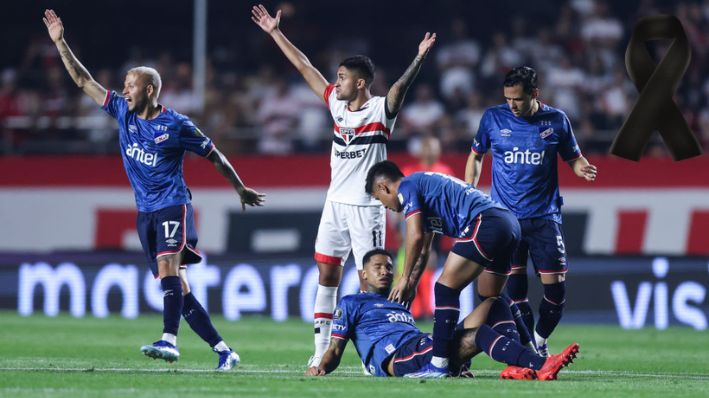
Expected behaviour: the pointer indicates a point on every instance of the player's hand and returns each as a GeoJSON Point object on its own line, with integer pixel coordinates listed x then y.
{"type": "Point", "coordinates": [262, 18]}
{"type": "Point", "coordinates": [251, 198]}
{"type": "Point", "coordinates": [54, 24]}
{"type": "Point", "coordinates": [403, 293]}
{"type": "Point", "coordinates": [428, 40]}
{"type": "Point", "coordinates": [315, 371]}
{"type": "Point", "coordinates": [588, 173]}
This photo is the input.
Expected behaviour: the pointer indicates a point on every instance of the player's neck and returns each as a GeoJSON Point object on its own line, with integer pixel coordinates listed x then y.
{"type": "Point", "coordinates": [150, 111]}
{"type": "Point", "coordinates": [382, 291]}
{"type": "Point", "coordinates": [362, 98]}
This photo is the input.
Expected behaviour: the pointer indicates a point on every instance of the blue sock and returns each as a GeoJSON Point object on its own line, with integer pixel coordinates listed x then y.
{"type": "Point", "coordinates": [172, 304]}
{"type": "Point", "coordinates": [445, 319]}
{"type": "Point", "coordinates": [500, 319]}
{"type": "Point", "coordinates": [551, 308]}
{"type": "Point", "coordinates": [523, 335]}
{"type": "Point", "coordinates": [517, 290]}
{"type": "Point", "coordinates": [198, 319]}
{"type": "Point", "coordinates": [503, 349]}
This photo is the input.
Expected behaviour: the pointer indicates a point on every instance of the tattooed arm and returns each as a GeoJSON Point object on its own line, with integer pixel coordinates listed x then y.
{"type": "Point", "coordinates": [76, 70]}
{"type": "Point", "coordinates": [395, 97]}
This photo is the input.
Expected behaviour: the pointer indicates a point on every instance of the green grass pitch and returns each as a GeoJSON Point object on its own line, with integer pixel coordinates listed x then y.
{"type": "Point", "coordinates": [68, 357]}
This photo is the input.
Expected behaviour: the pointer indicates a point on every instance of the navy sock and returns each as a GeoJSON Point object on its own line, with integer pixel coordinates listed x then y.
{"type": "Point", "coordinates": [517, 290]}
{"type": "Point", "coordinates": [500, 319]}
{"type": "Point", "coordinates": [198, 319]}
{"type": "Point", "coordinates": [551, 308]}
{"type": "Point", "coordinates": [523, 334]}
{"type": "Point", "coordinates": [445, 319]}
{"type": "Point", "coordinates": [503, 349]}
{"type": "Point", "coordinates": [172, 304]}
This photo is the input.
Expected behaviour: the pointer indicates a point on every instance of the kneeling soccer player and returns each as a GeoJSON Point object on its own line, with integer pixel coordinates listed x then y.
{"type": "Point", "coordinates": [389, 343]}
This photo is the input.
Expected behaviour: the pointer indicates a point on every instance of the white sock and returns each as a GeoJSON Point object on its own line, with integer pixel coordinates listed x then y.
{"type": "Point", "coordinates": [539, 339]}
{"type": "Point", "coordinates": [170, 338]}
{"type": "Point", "coordinates": [221, 346]}
{"type": "Point", "coordinates": [439, 362]}
{"type": "Point", "coordinates": [325, 302]}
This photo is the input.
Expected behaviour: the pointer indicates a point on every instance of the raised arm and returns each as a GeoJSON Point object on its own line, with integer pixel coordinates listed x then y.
{"type": "Point", "coordinates": [473, 167]}
{"type": "Point", "coordinates": [248, 195]}
{"type": "Point", "coordinates": [269, 24]}
{"type": "Point", "coordinates": [331, 359]}
{"type": "Point", "coordinates": [76, 70]}
{"type": "Point", "coordinates": [395, 96]}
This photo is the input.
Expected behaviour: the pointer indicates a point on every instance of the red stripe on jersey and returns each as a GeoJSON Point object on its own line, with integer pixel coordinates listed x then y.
{"type": "Point", "coordinates": [376, 126]}
{"type": "Point", "coordinates": [108, 97]}
{"type": "Point", "coordinates": [325, 315]}
{"type": "Point", "coordinates": [338, 336]}
{"type": "Point", "coordinates": [411, 213]}
{"type": "Point", "coordinates": [328, 91]}
{"type": "Point", "coordinates": [330, 260]}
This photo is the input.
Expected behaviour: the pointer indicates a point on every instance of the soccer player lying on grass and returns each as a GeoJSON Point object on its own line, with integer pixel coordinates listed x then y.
{"type": "Point", "coordinates": [389, 343]}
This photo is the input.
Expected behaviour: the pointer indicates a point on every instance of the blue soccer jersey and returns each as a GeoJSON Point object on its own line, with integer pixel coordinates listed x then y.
{"type": "Point", "coordinates": [447, 204]}
{"type": "Point", "coordinates": [376, 326]}
{"type": "Point", "coordinates": [152, 152]}
{"type": "Point", "coordinates": [524, 165]}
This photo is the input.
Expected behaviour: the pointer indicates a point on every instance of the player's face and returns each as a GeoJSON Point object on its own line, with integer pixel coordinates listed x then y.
{"type": "Point", "coordinates": [135, 92]}
{"type": "Point", "coordinates": [346, 84]}
{"type": "Point", "coordinates": [379, 273]}
{"type": "Point", "coordinates": [387, 194]}
{"type": "Point", "coordinates": [520, 103]}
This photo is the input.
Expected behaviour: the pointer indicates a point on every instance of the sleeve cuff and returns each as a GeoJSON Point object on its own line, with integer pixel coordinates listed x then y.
{"type": "Point", "coordinates": [107, 99]}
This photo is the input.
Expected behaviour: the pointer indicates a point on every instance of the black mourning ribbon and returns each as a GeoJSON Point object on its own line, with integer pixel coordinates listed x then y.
{"type": "Point", "coordinates": [655, 109]}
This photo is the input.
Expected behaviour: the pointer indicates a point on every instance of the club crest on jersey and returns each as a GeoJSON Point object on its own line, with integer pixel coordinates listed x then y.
{"type": "Point", "coordinates": [505, 132]}
{"type": "Point", "coordinates": [546, 133]}
{"type": "Point", "coordinates": [162, 138]}
{"type": "Point", "coordinates": [347, 133]}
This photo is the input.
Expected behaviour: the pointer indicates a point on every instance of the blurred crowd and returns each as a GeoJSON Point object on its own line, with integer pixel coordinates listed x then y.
{"type": "Point", "coordinates": [267, 108]}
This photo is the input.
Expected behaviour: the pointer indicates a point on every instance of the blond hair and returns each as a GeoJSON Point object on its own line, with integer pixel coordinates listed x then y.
{"type": "Point", "coordinates": [151, 76]}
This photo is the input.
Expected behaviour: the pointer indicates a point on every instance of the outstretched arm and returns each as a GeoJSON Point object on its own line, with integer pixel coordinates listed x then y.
{"type": "Point", "coordinates": [76, 70]}
{"type": "Point", "coordinates": [417, 248]}
{"type": "Point", "coordinates": [248, 195]}
{"type": "Point", "coordinates": [331, 360]}
{"type": "Point", "coordinates": [269, 24]}
{"type": "Point", "coordinates": [395, 97]}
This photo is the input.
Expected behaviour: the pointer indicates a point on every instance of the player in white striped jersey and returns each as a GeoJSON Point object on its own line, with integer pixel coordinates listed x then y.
{"type": "Point", "coordinates": [351, 219]}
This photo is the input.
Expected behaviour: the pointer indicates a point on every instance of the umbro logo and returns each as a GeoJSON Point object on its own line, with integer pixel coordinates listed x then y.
{"type": "Point", "coordinates": [339, 119]}
{"type": "Point", "coordinates": [132, 129]}
{"type": "Point", "coordinates": [505, 132]}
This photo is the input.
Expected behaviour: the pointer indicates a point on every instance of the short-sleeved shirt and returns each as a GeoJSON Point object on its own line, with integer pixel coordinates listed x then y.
{"type": "Point", "coordinates": [376, 326]}
{"type": "Point", "coordinates": [524, 158]}
{"type": "Point", "coordinates": [152, 152]}
{"type": "Point", "coordinates": [447, 204]}
{"type": "Point", "coordinates": [359, 141]}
